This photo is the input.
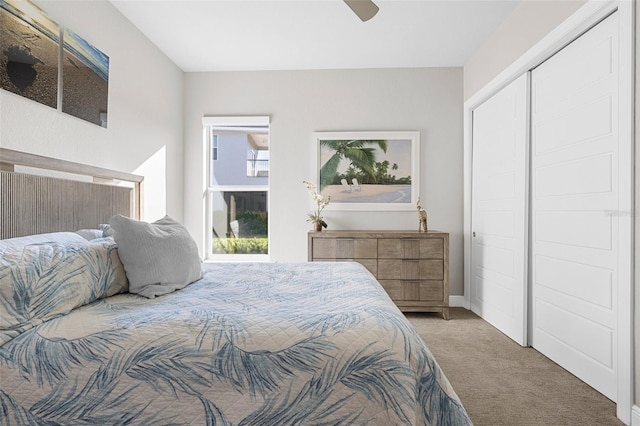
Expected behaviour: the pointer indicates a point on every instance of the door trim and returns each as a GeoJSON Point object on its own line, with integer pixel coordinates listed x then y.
{"type": "Point", "coordinates": [584, 18]}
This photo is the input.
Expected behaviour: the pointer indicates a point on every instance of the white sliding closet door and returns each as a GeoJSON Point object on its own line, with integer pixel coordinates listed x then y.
{"type": "Point", "coordinates": [499, 210]}
{"type": "Point", "coordinates": [575, 174]}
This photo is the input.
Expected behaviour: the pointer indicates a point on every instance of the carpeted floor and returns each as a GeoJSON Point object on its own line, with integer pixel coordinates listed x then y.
{"type": "Point", "coordinates": [502, 383]}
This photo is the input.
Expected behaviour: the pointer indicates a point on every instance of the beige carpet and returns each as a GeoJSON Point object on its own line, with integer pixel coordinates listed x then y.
{"type": "Point", "coordinates": [502, 383]}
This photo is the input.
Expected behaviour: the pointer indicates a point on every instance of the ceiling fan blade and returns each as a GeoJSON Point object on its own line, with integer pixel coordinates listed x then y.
{"type": "Point", "coordinates": [365, 9]}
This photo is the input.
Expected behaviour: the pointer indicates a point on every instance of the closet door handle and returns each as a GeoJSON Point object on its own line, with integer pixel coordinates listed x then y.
{"type": "Point", "coordinates": [473, 233]}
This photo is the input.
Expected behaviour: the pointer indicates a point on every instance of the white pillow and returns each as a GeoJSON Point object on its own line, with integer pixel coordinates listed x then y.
{"type": "Point", "coordinates": [53, 237]}
{"type": "Point", "coordinates": [158, 257]}
{"type": "Point", "coordinates": [106, 230]}
{"type": "Point", "coordinates": [90, 234]}
{"type": "Point", "coordinates": [44, 280]}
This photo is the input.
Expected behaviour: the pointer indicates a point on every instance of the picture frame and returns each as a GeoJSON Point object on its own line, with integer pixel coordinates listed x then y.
{"type": "Point", "coordinates": [29, 46]}
{"type": "Point", "coordinates": [370, 171]}
{"type": "Point", "coordinates": [85, 80]}
{"type": "Point", "coordinates": [35, 49]}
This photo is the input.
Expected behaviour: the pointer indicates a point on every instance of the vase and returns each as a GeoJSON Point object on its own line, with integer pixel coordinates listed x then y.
{"type": "Point", "coordinates": [317, 226]}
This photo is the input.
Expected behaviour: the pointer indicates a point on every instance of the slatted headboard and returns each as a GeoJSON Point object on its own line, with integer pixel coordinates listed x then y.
{"type": "Point", "coordinates": [34, 204]}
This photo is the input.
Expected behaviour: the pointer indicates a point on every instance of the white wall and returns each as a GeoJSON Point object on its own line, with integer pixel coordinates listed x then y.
{"type": "Point", "coordinates": [302, 102]}
{"type": "Point", "coordinates": [529, 22]}
{"type": "Point", "coordinates": [145, 109]}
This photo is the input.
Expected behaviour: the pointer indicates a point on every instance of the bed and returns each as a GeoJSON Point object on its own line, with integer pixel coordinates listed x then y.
{"type": "Point", "coordinates": [246, 344]}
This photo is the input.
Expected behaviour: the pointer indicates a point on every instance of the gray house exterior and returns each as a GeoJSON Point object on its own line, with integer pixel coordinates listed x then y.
{"type": "Point", "coordinates": [238, 161]}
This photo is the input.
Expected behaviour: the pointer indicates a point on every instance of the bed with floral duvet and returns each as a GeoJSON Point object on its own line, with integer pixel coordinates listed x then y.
{"type": "Point", "coordinates": [248, 344]}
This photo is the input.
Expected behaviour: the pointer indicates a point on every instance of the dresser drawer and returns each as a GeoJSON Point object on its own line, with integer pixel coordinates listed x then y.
{"type": "Point", "coordinates": [420, 291]}
{"type": "Point", "coordinates": [410, 248]}
{"type": "Point", "coordinates": [409, 269]}
{"type": "Point", "coordinates": [345, 248]}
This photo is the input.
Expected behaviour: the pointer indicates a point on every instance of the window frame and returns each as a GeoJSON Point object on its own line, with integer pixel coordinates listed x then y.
{"type": "Point", "coordinates": [208, 124]}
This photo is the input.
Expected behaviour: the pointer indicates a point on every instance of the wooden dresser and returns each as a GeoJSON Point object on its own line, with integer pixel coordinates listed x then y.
{"type": "Point", "coordinates": [413, 267]}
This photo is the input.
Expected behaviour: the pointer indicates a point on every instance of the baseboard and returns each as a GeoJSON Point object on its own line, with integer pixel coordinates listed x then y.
{"type": "Point", "coordinates": [456, 301]}
{"type": "Point", "coordinates": [635, 416]}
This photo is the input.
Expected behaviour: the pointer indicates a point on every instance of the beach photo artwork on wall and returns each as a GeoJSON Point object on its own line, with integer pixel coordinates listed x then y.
{"type": "Point", "coordinates": [29, 46]}
{"type": "Point", "coordinates": [85, 80]}
{"type": "Point", "coordinates": [368, 170]}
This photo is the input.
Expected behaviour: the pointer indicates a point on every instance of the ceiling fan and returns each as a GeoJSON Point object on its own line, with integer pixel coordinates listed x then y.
{"type": "Point", "coordinates": [365, 9]}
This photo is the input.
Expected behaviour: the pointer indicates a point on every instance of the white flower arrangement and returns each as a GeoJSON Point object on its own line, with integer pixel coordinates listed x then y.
{"type": "Point", "coordinates": [320, 201]}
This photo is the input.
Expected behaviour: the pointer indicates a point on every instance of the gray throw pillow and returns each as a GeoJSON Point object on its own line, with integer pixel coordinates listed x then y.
{"type": "Point", "coordinates": [158, 257]}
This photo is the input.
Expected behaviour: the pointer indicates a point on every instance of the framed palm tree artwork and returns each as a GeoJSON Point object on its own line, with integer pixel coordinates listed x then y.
{"type": "Point", "coordinates": [368, 170]}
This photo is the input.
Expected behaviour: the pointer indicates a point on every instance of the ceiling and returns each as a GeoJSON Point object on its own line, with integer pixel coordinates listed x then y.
{"type": "Point", "coordinates": [224, 35]}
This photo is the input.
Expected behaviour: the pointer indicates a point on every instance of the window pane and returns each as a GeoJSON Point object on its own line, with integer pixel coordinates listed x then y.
{"type": "Point", "coordinates": [240, 222]}
{"type": "Point", "coordinates": [239, 158]}
{"type": "Point", "coordinates": [214, 138]}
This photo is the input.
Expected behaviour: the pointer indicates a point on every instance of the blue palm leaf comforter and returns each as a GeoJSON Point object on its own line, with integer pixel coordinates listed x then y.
{"type": "Point", "coordinates": [249, 344]}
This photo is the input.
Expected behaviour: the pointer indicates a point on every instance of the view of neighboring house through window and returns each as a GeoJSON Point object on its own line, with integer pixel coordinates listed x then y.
{"type": "Point", "coordinates": [214, 146]}
{"type": "Point", "coordinates": [238, 186]}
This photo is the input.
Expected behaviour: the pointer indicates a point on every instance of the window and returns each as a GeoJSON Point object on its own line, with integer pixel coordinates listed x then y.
{"type": "Point", "coordinates": [237, 205]}
{"type": "Point", "coordinates": [214, 146]}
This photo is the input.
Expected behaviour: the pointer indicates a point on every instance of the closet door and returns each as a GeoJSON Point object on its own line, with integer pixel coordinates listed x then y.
{"type": "Point", "coordinates": [574, 198]}
{"type": "Point", "coordinates": [499, 210]}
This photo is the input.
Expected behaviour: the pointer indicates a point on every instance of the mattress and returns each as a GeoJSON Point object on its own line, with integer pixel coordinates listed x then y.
{"type": "Point", "coordinates": [248, 344]}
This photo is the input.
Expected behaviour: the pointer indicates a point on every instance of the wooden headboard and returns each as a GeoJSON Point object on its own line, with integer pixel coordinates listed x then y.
{"type": "Point", "coordinates": [35, 204]}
